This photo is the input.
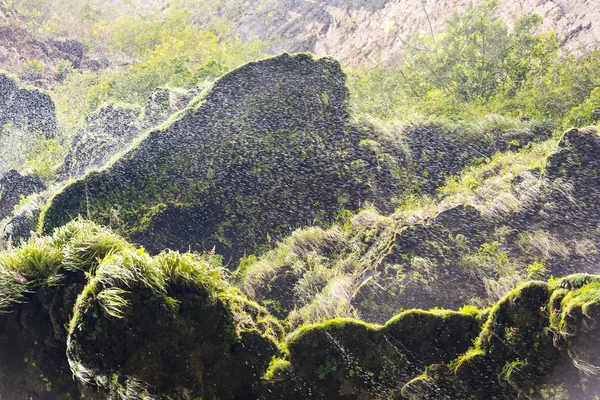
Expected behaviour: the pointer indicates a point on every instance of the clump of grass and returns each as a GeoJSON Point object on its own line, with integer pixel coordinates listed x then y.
{"type": "Point", "coordinates": [333, 301]}
{"type": "Point", "coordinates": [24, 268]}
{"type": "Point", "coordinates": [113, 302]}
{"type": "Point", "coordinates": [480, 185]}
{"type": "Point", "coordinates": [543, 244]}
{"type": "Point", "coordinates": [292, 253]}
{"type": "Point", "coordinates": [86, 244]}
{"type": "Point", "coordinates": [189, 270]}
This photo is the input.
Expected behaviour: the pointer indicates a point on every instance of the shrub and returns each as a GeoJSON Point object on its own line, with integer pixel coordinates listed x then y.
{"type": "Point", "coordinates": [63, 69]}
{"type": "Point", "coordinates": [32, 70]}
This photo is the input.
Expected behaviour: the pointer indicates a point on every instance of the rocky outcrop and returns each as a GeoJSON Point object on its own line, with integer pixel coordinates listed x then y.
{"type": "Point", "coordinates": [30, 110]}
{"type": "Point", "coordinates": [83, 313]}
{"type": "Point", "coordinates": [13, 186]}
{"type": "Point", "coordinates": [267, 148]}
{"type": "Point", "coordinates": [488, 230]}
{"type": "Point", "coordinates": [350, 359]}
{"type": "Point", "coordinates": [19, 45]}
{"type": "Point", "coordinates": [107, 131]}
{"type": "Point", "coordinates": [113, 128]}
{"type": "Point", "coordinates": [361, 32]}
{"type": "Point", "coordinates": [538, 339]}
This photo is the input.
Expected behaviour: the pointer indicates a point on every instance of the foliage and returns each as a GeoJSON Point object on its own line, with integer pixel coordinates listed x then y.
{"type": "Point", "coordinates": [164, 48]}
{"type": "Point", "coordinates": [480, 66]}
{"type": "Point", "coordinates": [32, 70]}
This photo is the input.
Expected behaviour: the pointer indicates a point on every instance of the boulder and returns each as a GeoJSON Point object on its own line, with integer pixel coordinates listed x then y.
{"type": "Point", "coordinates": [14, 186]}
{"type": "Point", "coordinates": [27, 109]}
{"type": "Point", "coordinates": [539, 338]}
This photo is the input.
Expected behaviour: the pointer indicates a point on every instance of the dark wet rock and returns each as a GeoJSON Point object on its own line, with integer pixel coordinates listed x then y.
{"type": "Point", "coordinates": [265, 149]}
{"type": "Point", "coordinates": [30, 110]}
{"type": "Point", "coordinates": [527, 347]}
{"type": "Point", "coordinates": [33, 343]}
{"type": "Point", "coordinates": [348, 359]}
{"type": "Point", "coordinates": [114, 127]}
{"type": "Point", "coordinates": [465, 220]}
{"type": "Point", "coordinates": [14, 186]}
{"type": "Point", "coordinates": [576, 158]}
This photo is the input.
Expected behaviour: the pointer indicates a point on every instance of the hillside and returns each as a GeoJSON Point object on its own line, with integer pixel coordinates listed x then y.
{"type": "Point", "coordinates": [361, 32]}
{"type": "Point", "coordinates": [203, 216]}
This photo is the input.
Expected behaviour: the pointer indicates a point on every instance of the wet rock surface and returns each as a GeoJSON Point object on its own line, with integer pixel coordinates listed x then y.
{"type": "Point", "coordinates": [273, 132]}
{"type": "Point", "coordinates": [30, 110]}
{"type": "Point", "coordinates": [13, 186]}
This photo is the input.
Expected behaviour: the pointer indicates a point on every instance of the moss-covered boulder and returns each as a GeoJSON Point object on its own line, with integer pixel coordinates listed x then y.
{"type": "Point", "coordinates": [169, 327]}
{"type": "Point", "coordinates": [349, 359]}
{"type": "Point", "coordinates": [266, 148]}
{"type": "Point", "coordinates": [540, 341]}
{"type": "Point", "coordinates": [26, 109]}
{"type": "Point", "coordinates": [85, 304]}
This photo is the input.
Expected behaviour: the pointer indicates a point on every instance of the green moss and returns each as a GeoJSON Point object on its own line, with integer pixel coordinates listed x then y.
{"type": "Point", "coordinates": [345, 357]}
{"type": "Point", "coordinates": [536, 339]}
{"type": "Point", "coordinates": [137, 312]}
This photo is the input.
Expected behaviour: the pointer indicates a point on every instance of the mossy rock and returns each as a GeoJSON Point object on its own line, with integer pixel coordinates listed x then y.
{"type": "Point", "coordinates": [349, 359]}
{"type": "Point", "coordinates": [539, 340]}
{"type": "Point", "coordinates": [85, 303]}
{"type": "Point", "coordinates": [263, 150]}
{"type": "Point", "coordinates": [170, 327]}
{"type": "Point", "coordinates": [114, 127]}
{"type": "Point", "coordinates": [39, 284]}
{"type": "Point", "coordinates": [13, 186]}
{"type": "Point", "coordinates": [28, 109]}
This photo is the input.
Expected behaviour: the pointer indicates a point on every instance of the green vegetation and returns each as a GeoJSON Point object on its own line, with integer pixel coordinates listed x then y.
{"type": "Point", "coordinates": [341, 203]}
{"type": "Point", "coordinates": [172, 324]}
{"type": "Point", "coordinates": [525, 348]}
{"type": "Point", "coordinates": [107, 294]}
{"type": "Point", "coordinates": [480, 66]}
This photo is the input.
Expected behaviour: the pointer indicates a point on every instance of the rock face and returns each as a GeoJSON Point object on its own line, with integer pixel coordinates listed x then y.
{"type": "Point", "coordinates": [360, 32]}
{"type": "Point", "coordinates": [114, 127]}
{"type": "Point", "coordinates": [30, 110]}
{"type": "Point", "coordinates": [108, 130]}
{"type": "Point", "coordinates": [265, 149]}
{"type": "Point", "coordinates": [14, 185]}
{"type": "Point", "coordinates": [493, 229]}
{"type": "Point", "coordinates": [349, 359]}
